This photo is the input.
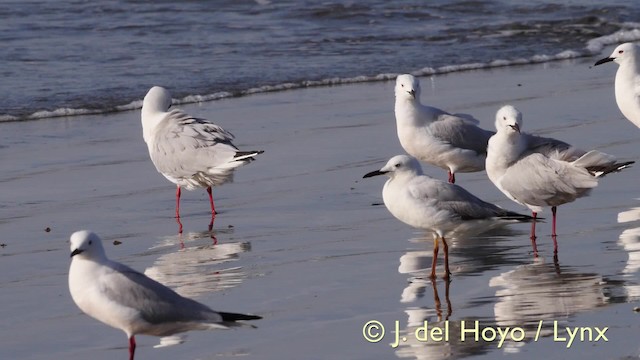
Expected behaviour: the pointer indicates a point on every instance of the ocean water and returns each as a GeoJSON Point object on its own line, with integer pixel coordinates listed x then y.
{"type": "Point", "coordinates": [77, 57]}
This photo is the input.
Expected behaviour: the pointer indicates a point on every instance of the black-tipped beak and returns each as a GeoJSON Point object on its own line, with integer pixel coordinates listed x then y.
{"type": "Point", "coordinates": [76, 252]}
{"type": "Point", "coordinates": [602, 61]}
{"type": "Point", "coordinates": [413, 93]}
{"type": "Point", "coordinates": [515, 127]}
{"type": "Point", "coordinates": [374, 173]}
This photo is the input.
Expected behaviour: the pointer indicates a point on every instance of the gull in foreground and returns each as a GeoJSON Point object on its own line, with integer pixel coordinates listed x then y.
{"type": "Point", "coordinates": [442, 208]}
{"type": "Point", "coordinates": [128, 300]}
{"type": "Point", "coordinates": [189, 151]}
{"type": "Point", "coordinates": [541, 172]}
{"type": "Point", "coordinates": [450, 141]}
{"type": "Point", "coordinates": [627, 85]}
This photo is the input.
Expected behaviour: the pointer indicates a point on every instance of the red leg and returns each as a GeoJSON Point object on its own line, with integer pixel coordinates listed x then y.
{"type": "Point", "coordinates": [179, 225]}
{"type": "Point", "coordinates": [132, 346]}
{"type": "Point", "coordinates": [452, 177]}
{"type": "Point", "coordinates": [533, 234]}
{"type": "Point", "coordinates": [446, 259]}
{"type": "Point", "coordinates": [446, 296]}
{"type": "Point", "coordinates": [178, 202]}
{"type": "Point", "coordinates": [435, 258]}
{"type": "Point", "coordinates": [436, 299]}
{"type": "Point", "coordinates": [213, 209]}
{"type": "Point", "coordinates": [213, 236]}
{"type": "Point", "coordinates": [553, 230]}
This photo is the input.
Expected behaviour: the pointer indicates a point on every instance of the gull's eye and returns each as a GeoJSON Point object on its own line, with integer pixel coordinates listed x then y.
{"type": "Point", "coordinates": [402, 85]}
{"type": "Point", "coordinates": [620, 51]}
{"type": "Point", "coordinates": [504, 118]}
{"type": "Point", "coordinates": [397, 165]}
{"type": "Point", "coordinates": [89, 242]}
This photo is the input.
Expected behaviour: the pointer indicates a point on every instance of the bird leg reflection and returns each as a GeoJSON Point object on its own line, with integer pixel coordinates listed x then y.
{"type": "Point", "coordinates": [211, 233]}
{"type": "Point", "coordinates": [179, 225]}
{"type": "Point", "coordinates": [436, 299]}
{"type": "Point", "coordinates": [556, 265]}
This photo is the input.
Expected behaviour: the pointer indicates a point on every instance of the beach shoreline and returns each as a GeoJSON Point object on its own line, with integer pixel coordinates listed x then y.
{"type": "Point", "coordinates": [298, 240]}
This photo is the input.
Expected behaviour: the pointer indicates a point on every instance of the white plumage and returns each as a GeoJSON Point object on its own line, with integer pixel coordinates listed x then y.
{"type": "Point", "coordinates": [190, 152]}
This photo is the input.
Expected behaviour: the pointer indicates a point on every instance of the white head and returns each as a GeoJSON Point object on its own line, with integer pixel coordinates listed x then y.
{"type": "Point", "coordinates": [86, 244]}
{"type": "Point", "coordinates": [508, 120]}
{"type": "Point", "coordinates": [158, 99]}
{"type": "Point", "coordinates": [407, 87]}
{"type": "Point", "coordinates": [397, 165]}
{"type": "Point", "coordinates": [624, 53]}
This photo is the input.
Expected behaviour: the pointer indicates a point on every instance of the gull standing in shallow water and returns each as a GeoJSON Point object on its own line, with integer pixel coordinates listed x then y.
{"type": "Point", "coordinates": [128, 300]}
{"type": "Point", "coordinates": [540, 172]}
{"type": "Point", "coordinates": [444, 209]}
{"type": "Point", "coordinates": [189, 151]}
{"type": "Point", "coordinates": [627, 84]}
{"type": "Point", "coordinates": [450, 141]}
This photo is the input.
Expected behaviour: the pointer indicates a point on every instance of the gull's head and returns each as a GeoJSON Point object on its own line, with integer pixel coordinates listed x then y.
{"type": "Point", "coordinates": [158, 99]}
{"type": "Point", "coordinates": [399, 164]}
{"type": "Point", "coordinates": [86, 244]}
{"type": "Point", "coordinates": [621, 54]}
{"type": "Point", "coordinates": [508, 120]}
{"type": "Point", "coordinates": [407, 87]}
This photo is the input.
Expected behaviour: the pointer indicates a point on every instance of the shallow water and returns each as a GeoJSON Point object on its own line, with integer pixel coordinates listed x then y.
{"type": "Point", "coordinates": [298, 240]}
{"type": "Point", "coordinates": [74, 57]}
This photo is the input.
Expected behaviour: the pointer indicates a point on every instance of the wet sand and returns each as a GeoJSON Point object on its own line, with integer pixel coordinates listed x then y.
{"type": "Point", "coordinates": [298, 240]}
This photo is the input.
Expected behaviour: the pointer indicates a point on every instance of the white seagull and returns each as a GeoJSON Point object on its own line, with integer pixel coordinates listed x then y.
{"type": "Point", "coordinates": [191, 152]}
{"type": "Point", "coordinates": [450, 141]}
{"type": "Point", "coordinates": [627, 85]}
{"type": "Point", "coordinates": [132, 302]}
{"type": "Point", "coordinates": [442, 208]}
{"type": "Point", "coordinates": [540, 172]}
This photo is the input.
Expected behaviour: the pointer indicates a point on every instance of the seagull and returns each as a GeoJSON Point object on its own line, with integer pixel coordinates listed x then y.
{"type": "Point", "coordinates": [540, 172]}
{"type": "Point", "coordinates": [130, 301]}
{"type": "Point", "coordinates": [450, 141]}
{"type": "Point", "coordinates": [442, 208]}
{"type": "Point", "coordinates": [627, 86]}
{"type": "Point", "coordinates": [190, 152]}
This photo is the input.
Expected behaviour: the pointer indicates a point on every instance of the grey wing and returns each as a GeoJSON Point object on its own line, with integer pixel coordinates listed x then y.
{"type": "Point", "coordinates": [460, 133]}
{"type": "Point", "coordinates": [538, 180]}
{"type": "Point", "coordinates": [156, 302]}
{"type": "Point", "coordinates": [455, 199]}
{"type": "Point", "coordinates": [467, 117]}
{"type": "Point", "coordinates": [552, 147]}
{"type": "Point", "coordinates": [185, 145]}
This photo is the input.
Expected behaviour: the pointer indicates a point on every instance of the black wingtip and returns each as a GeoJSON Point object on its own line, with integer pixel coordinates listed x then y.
{"type": "Point", "coordinates": [232, 317]}
{"type": "Point", "coordinates": [602, 171]}
{"type": "Point", "coordinates": [520, 217]}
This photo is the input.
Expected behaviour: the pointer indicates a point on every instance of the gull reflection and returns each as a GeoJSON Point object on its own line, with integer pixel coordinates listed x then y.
{"type": "Point", "coordinates": [630, 241]}
{"type": "Point", "coordinates": [198, 268]}
{"type": "Point", "coordinates": [417, 264]}
{"type": "Point", "coordinates": [541, 291]}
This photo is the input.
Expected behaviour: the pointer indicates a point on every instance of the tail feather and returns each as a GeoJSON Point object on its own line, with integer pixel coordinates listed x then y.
{"type": "Point", "coordinates": [594, 158]}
